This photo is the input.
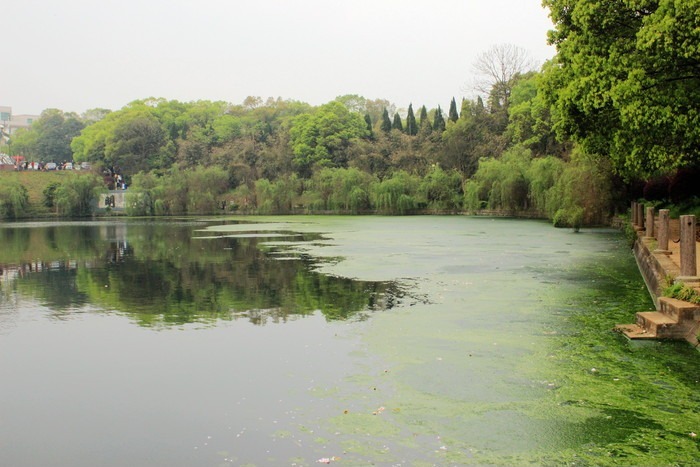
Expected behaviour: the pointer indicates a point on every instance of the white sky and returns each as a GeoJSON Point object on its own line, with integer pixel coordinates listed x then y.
{"type": "Point", "coordinates": [76, 55]}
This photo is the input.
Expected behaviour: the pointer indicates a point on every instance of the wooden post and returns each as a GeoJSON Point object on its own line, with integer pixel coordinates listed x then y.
{"type": "Point", "coordinates": [633, 213]}
{"type": "Point", "coordinates": [649, 223]}
{"type": "Point", "coordinates": [662, 234]}
{"type": "Point", "coordinates": [688, 261]}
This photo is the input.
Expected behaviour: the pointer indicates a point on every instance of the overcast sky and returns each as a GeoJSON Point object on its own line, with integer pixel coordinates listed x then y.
{"type": "Point", "coordinates": [76, 55]}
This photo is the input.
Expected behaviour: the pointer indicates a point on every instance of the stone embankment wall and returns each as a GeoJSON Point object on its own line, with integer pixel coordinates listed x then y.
{"type": "Point", "coordinates": [656, 269]}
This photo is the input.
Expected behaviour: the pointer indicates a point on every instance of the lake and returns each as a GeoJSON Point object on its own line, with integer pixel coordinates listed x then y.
{"type": "Point", "coordinates": [416, 341]}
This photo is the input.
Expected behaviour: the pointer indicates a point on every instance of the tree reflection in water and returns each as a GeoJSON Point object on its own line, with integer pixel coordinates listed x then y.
{"type": "Point", "coordinates": [159, 274]}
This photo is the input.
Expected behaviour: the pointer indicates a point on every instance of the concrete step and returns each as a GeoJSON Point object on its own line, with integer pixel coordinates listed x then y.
{"type": "Point", "coordinates": [679, 310]}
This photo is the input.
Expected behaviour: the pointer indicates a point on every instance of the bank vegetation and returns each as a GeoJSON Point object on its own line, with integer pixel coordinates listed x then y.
{"type": "Point", "coordinates": [613, 117]}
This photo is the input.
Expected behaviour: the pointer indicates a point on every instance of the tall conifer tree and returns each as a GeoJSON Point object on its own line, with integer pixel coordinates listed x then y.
{"type": "Point", "coordinates": [411, 126]}
{"type": "Point", "coordinates": [397, 125]}
{"type": "Point", "coordinates": [370, 130]}
{"type": "Point", "coordinates": [453, 116]}
{"type": "Point", "coordinates": [439, 121]}
{"type": "Point", "coordinates": [386, 121]}
{"type": "Point", "coordinates": [423, 119]}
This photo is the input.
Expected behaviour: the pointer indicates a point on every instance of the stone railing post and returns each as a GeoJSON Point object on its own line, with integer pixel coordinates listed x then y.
{"type": "Point", "coordinates": [633, 214]}
{"type": "Point", "coordinates": [688, 259]}
{"type": "Point", "coordinates": [649, 223]}
{"type": "Point", "coordinates": [640, 216]}
{"type": "Point", "coordinates": [662, 234]}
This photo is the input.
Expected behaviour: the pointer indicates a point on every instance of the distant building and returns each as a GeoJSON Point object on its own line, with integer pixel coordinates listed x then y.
{"type": "Point", "coordinates": [12, 123]}
{"type": "Point", "coordinates": [5, 113]}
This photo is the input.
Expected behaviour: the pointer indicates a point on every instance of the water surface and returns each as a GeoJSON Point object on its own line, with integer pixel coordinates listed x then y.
{"type": "Point", "coordinates": [358, 340]}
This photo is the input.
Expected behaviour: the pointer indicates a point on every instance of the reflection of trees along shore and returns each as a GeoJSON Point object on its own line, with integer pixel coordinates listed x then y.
{"type": "Point", "coordinates": [158, 274]}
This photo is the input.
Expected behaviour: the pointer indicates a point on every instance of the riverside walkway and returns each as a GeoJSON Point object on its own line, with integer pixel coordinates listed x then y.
{"type": "Point", "coordinates": [671, 258]}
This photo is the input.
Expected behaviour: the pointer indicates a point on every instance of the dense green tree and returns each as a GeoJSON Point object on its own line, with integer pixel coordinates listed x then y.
{"type": "Point", "coordinates": [49, 138]}
{"type": "Point", "coordinates": [322, 137]}
{"type": "Point", "coordinates": [136, 144]}
{"type": "Point", "coordinates": [453, 116]}
{"type": "Point", "coordinates": [411, 125]}
{"type": "Point", "coordinates": [626, 80]}
{"type": "Point", "coordinates": [131, 139]}
{"type": "Point", "coordinates": [473, 136]}
{"type": "Point", "coordinates": [386, 121]}
{"type": "Point", "coordinates": [529, 118]}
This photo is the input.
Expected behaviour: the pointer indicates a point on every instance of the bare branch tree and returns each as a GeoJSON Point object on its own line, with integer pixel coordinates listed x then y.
{"type": "Point", "coordinates": [497, 68]}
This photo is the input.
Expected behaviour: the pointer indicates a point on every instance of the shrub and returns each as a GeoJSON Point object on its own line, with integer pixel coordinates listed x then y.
{"type": "Point", "coordinates": [683, 292]}
{"type": "Point", "coordinates": [50, 194]}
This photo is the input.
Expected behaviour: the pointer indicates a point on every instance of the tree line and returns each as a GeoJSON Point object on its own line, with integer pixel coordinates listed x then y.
{"type": "Point", "coordinates": [615, 111]}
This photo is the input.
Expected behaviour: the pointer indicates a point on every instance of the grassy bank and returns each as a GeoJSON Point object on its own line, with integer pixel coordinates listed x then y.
{"type": "Point", "coordinates": [36, 182]}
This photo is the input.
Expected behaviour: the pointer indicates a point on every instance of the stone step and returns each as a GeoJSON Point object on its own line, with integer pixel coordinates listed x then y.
{"type": "Point", "coordinates": [634, 331]}
{"type": "Point", "coordinates": [662, 325]}
{"type": "Point", "coordinates": [655, 322]}
{"type": "Point", "coordinates": [679, 310]}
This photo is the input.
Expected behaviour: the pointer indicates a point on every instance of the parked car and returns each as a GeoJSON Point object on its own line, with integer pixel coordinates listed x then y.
{"type": "Point", "coordinates": [68, 166]}
{"type": "Point", "coordinates": [50, 166]}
